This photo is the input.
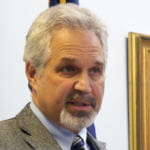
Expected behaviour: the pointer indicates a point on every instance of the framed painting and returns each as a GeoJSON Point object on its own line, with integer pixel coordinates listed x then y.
{"type": "Point", "coordinates": [139, 91]}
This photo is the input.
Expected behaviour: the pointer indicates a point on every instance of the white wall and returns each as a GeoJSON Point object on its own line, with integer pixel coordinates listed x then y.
{"type": "Point", "coordinates": [120, 17]}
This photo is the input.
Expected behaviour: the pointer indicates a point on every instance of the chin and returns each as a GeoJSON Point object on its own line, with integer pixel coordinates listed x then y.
{"type": "Point", "coordinates": [78, 120]}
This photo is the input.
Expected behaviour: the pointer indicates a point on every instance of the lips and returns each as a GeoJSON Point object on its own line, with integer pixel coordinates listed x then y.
{"type": "Point", "coordinates": [79, 105]}
{"type": "Point", "coordinates": [80, 101]}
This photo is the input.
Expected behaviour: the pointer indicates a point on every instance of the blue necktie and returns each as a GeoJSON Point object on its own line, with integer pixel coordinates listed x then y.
{"type": "Point", "coordinates": [78, 143]}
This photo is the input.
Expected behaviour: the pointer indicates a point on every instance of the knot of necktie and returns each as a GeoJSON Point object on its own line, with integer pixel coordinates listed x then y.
{"type": "Point", "coordinates": [78, 143]}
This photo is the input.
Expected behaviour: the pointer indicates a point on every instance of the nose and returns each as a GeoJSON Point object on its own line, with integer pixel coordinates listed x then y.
{"type": "Point", "coordinates": [82, 83]}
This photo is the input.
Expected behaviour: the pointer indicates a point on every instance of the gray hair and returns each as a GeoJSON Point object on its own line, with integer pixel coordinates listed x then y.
{"type": "Point", "coordinates": [38, 40]}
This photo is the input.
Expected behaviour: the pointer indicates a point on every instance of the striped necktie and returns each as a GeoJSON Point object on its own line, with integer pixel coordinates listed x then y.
{"type": "Point", "coordinates": [78, 143]}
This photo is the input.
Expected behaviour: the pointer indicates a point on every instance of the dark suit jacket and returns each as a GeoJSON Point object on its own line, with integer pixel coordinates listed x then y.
{"type": "Point", "coordinates": [26, 132]}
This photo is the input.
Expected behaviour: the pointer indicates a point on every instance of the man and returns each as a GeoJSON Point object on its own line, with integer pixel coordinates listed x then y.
{"type": "Point", "coordinates": [65, 61]}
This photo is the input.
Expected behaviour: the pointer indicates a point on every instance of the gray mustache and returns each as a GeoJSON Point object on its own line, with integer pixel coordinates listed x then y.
{"type": "Point", "coordinates": [75, 96]}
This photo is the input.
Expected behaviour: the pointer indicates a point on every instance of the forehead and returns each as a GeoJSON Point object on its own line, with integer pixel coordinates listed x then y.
{"type": "Point", "coordinates": [76, 44]}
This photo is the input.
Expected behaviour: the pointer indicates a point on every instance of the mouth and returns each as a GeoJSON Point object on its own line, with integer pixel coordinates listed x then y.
{"type": "Point", "coordinates": [79, 105]}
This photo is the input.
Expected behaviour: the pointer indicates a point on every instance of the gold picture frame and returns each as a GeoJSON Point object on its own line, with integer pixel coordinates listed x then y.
{"type": "Point", "coordinates": [139, 91]}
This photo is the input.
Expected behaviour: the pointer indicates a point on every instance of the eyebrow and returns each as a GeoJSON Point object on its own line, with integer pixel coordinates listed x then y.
{"type": "Point", "coordinates": [68, 60]}
{"type": "Point", "coordinates": [99, 63]}
{"type": "Point", "coordinates": [72, 60]}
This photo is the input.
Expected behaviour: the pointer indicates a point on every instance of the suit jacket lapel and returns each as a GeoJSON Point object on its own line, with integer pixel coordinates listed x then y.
{"type": "Point", "coordinates": [34, 133]}
{"type": "Point", "coordinates": [94, 144]}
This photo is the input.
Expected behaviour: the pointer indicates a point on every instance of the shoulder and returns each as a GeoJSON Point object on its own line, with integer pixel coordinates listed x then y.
{"type": "Point", "coordinates": [8, 130]}
{"type": "Point", "coordinates": [11, 136]}
{"type": "Point", "coordinates": [7, 126]}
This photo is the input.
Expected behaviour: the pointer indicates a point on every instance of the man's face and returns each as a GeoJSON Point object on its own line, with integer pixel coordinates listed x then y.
{"type": "Point", "coordinates": [72, 83]}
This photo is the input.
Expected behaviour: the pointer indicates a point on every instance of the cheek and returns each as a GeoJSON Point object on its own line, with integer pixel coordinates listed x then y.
{"type": "Point", "coordinates": [60, 88]}
{"type": "Point", "coordinates": [65, 87]}
{"type": "Point", "coordinates": [98, 92]}
{"type": "Point", "coordinates": [61, 91]}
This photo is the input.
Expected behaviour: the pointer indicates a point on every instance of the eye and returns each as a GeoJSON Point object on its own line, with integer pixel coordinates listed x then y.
{"type": "Point", "coordinates": [68, 69]}
{"type": "Point", "coordinates": [96, 71]}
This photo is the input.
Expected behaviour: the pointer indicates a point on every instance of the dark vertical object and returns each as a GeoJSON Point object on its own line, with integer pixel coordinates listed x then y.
{"type": "Point", "coordinates": [73, 1]}
{"type": "Point", "coordinates": [55, 2]}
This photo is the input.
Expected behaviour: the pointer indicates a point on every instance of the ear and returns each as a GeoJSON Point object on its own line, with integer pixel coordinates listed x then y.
{"type": "Point", "coordinates": [32, 76]}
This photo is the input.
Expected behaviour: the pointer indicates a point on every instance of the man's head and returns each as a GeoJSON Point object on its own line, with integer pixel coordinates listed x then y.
{"type": "Point", "coordinates": [65, 59]}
